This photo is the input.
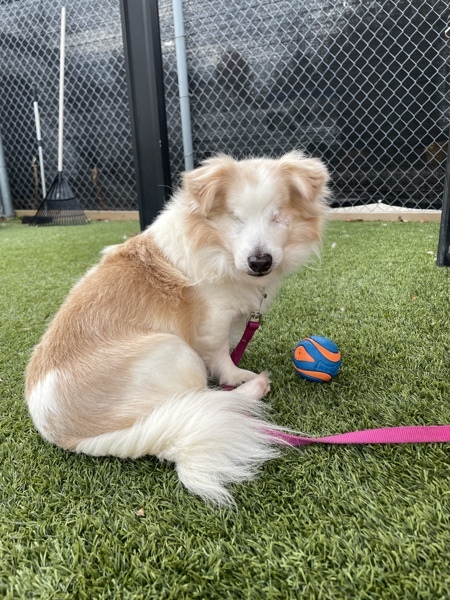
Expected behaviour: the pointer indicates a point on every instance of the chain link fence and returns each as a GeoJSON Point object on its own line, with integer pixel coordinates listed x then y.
{"type": "Point", "coordinates": [364, 85]}
{"type": "Point", "coordinates": [98, 154]}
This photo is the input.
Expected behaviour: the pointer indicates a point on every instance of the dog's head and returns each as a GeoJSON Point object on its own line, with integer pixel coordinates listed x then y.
{"type": "Point", "coordinates": [267, 214]}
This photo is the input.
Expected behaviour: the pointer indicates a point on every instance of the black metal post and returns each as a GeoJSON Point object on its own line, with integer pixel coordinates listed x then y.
{"type": "Point", "coordinates": [143, 61]}
{"type": "Point", "coordinates": [443, 255]}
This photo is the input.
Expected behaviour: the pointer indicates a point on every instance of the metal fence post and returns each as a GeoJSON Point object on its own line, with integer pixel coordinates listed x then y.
{"type": "Point", "coordinates": [143, 61]}
{"type": "Point", "coordinates": [443, 255]}
{"type": "Point", "coordinates": [5, 195]}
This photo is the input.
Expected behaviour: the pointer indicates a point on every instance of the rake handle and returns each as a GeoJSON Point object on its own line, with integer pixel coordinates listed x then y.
{"type": "Point", "coordinates": [62, 57]}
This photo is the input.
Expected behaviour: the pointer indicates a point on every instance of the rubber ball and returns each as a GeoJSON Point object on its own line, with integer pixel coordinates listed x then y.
{"type": "Point", "coordinates": [317, 358]}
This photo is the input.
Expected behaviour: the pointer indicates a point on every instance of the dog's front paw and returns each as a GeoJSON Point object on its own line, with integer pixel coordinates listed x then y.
{"type": "Point", "coordinates": [236, 377]}
{"type": "Point", "coordinates": [257, 387]}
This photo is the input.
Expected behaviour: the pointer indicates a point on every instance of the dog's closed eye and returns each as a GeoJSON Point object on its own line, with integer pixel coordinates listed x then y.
{"type": "Point", "coordinates": [280, 219]}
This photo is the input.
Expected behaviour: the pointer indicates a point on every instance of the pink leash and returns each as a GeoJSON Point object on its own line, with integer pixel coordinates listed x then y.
{"type": "Point", "coordinates": [253, 323]}
{"type": "Point", "coordinates": [413, 434]}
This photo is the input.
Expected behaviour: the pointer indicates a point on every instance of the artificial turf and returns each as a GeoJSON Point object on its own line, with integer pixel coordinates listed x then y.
{"type": "Point", "coordinates": [320, 522]}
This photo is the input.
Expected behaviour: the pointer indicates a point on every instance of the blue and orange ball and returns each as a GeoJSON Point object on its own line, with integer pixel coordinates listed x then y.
{"type": "Point", "coordinates": [317, 358]}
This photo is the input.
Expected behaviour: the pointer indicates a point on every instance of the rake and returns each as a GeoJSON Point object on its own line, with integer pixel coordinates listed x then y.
{"type": "Point", "coordinates": [60, 207]}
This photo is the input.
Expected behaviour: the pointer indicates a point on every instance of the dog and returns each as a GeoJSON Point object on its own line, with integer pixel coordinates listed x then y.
{"type": "Point", "coordinates": [123, 368]}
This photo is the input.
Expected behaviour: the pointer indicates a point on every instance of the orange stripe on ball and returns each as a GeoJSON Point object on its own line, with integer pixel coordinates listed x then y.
{"type": "Point", "coordinates": [301, 354]}
{"type": "Point", "coordinates": [332, 356]}
{"type": "Point", "coordinates": [315, 374]}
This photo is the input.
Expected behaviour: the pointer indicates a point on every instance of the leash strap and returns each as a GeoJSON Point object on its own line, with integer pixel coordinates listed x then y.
{"type": "Point", "coordinates": [418, 434]}
{"type": "Point", "coordinates": [413, 434]}
{"type": "Point", "coordinates": [253, 323]}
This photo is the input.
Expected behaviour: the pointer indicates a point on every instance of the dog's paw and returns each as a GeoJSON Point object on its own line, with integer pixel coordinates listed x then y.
{"type": "Point", "coordinates": [236, 377]}
{"type": "Point", "coordinates": [257, 387]}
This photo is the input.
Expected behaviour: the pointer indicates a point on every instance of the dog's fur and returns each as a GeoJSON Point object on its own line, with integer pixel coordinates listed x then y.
{"type": "Point", "coordinates": [122, 369]}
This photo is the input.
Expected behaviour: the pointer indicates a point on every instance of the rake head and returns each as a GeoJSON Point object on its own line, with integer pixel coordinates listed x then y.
{"type": "Point", "coordinates": [59, 207]}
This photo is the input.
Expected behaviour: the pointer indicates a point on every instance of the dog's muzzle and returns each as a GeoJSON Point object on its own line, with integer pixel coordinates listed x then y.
{"type": "Point", "coordinates": [260, 264]}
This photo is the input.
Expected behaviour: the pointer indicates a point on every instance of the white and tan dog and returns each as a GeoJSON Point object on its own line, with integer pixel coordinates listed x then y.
{"type": "Point", "coordinates": [123, 368]}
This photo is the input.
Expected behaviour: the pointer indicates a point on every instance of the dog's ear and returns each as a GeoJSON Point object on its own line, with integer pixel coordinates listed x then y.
{"type": "Point", "coordinates": [206, 186]}
{"type": "Point", "coordinates": [307, 177]}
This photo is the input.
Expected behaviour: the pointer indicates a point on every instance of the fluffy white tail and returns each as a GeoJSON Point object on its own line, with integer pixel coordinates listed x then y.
{"type": "Point", "coordinates": [214, 438]}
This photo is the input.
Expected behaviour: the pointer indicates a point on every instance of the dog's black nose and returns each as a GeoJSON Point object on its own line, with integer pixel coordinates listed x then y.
{"type": "Point", "coordinates": [260, 264]}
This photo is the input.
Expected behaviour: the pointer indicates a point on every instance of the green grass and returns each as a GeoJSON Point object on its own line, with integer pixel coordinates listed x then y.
{"type": "Point", "coordinates": [319, 523]}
